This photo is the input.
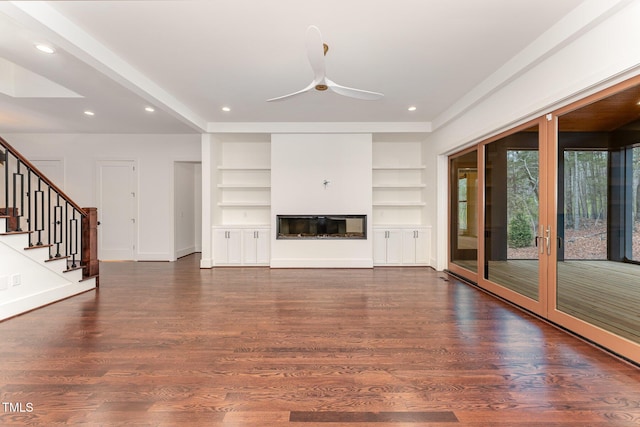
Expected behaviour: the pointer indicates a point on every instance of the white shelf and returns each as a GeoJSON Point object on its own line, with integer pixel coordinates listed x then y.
{"type": "Point", "coordinates": [245, 186]}
{"type": "Point", "coordinates": [399, 168]}
{"type": "Point", "coordinates": [250, 168]}
{"type": "Point", "coordinates": [244, 204]}
{"type": "Point", "coordinates": [398, 204]}
{"type": "Point", "coordinates": [399, 186]}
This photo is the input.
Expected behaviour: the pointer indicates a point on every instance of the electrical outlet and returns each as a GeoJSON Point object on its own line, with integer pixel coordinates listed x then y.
{"type": "Point", "coordinates": [4, 283]}
{"type": "Point", "coordinates": [16, 280]}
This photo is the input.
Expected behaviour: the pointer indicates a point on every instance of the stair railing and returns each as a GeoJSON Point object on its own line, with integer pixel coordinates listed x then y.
{"type": "Point", "coordinates": [36, 205]}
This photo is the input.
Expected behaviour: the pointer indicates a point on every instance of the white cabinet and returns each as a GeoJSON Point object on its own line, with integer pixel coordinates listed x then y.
{"type": "Point", "coordinates": [404, 245]}
{"type": "Point", "coordinates": [414, 246]}
{"type": "Point", "coordinates": [255, 246]}
{"type": "Point", "coordinates": [387, 246]}
{"type": "Point", "coordinates": [241, 246]}
{"type": "Point", "coordinates": [227, 246]}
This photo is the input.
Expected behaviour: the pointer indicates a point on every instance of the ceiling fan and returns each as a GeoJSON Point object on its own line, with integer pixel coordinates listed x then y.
{"type": "Point", "coordinates": [316, 51]}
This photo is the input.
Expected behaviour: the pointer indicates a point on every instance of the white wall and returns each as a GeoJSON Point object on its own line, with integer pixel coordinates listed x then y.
{"type": "Point", "coordinates": [300, 163]}
{"type": "Point", "coordinates": [38, 284]}
{"type": "Point", "coordinates": [606, 53]}
{"type": "Point", "coordinates": [155, 156]}
{"type": "Point", "coordinates": [209, 155]}
{"type": "Point", "coordinates": [187, 208]}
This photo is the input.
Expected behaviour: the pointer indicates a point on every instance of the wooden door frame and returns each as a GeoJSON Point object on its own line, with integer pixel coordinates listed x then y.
{"type": "Point", "coordinates": [609, 340]}
{"type": "Point", "coordinates": [537, 307]}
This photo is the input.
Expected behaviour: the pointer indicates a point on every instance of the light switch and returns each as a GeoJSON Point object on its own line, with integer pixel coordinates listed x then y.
{"type": "Point", "coordinates": [16, 280]}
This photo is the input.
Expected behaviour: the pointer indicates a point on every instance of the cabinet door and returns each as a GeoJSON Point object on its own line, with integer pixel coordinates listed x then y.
{"type": "Point", "coordinates": [379, 247]}
{"type": "Point", "coordinates": [255, 246]}
{"type": "Point", "coordinates": [263, 253]}
{"type": "Point", "coordinates": [234, 247]}
{"type": "Point", "coordinates": [227, 246]}
{"type": "Point", "coordinates": [394, 246]}
{"type": "Point", "coordinates": [220, 255]}
{"type": "Point", "coordinates": [423, 244]}
{"type": "Point", "coordinates": [409, 246]}
{"type": "Point", "coordinates": [415, 246]}
{"type": "Point", "coordinates": [249, 247]}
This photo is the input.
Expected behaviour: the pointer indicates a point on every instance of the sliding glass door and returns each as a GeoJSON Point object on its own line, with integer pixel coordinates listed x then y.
{"type": "Point", "coordinates": [463, 251]}
{"type": "Point", "coordinates": [557, 207]}
{"type": "Point", "coordinates": [598, 221]}
{"type": "Point", "coordinates": [514, 236]}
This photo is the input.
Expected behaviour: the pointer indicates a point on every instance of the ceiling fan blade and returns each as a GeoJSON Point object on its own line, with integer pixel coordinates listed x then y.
{"type": "Point", "coordinates": [315, 52]}
{"type": "Point", "coordinates": [353, 93]}
{"type": "Point", "coordinates": [306, 89]}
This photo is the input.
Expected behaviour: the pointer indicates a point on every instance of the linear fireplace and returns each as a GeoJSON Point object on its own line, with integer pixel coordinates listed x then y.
{"type": "Point", "coordinates": [322, 226]}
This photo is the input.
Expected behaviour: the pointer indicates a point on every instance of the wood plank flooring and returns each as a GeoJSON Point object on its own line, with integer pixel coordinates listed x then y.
{"type": "Point", "coordinates": [168, 344]}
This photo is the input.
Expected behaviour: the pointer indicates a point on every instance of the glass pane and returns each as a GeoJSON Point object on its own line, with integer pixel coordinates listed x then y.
{"type": "Point", "coordinates": [598, 268]}
{"type": "Point", "coordinates": [511, 212]}
{"type": "Point", "coordinates": [635, 191]}
{"type": "Point", "coordinates": [585, 204]}
{"type": "Point", "coordinates": [464, 209]}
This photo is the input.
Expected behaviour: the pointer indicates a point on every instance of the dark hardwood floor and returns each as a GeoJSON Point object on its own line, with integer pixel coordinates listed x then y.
{"type": "Point", "coordinates": [168, 344]}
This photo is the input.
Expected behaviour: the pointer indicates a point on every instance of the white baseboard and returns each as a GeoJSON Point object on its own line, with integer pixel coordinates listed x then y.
{"type": "Point", "coordinates": [154, 256]}
{"type": "Point", "coordinates": [321, 263]}
{"type": "Point", "coordinates": [186, 251]}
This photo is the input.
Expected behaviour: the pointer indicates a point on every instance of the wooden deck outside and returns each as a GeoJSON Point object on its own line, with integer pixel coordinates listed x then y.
{"type": "Point", "coordinates": [603, 293]}
{"type": "Point", "coordinates": [168, 344]}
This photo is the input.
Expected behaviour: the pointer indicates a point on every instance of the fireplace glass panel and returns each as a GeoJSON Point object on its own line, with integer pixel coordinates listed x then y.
{"type": "Point", "coordinates": [322, 226]}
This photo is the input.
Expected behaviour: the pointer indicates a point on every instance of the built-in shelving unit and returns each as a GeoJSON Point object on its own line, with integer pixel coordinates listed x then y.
{"type": "Point", "coordinates": [398, 184]}
{"type": "Point", "coordinates": [400, 236]}
{"type": "Point", "coordinates": [243, 183]}
{"type": "Point", "coordinates": [241, 216]}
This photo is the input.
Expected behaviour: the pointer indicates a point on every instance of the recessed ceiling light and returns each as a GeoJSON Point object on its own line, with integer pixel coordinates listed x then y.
{"type": "Point", "coordinates": [149, 109]}
{"type": "Point", "coordinates": [45, 48]}
{"type": "Point", "coordinates": [226, 109]}
{"type": "Point", "coordinates": [89, 113]}
{"type": "Point", "coordinates": [412, 108]}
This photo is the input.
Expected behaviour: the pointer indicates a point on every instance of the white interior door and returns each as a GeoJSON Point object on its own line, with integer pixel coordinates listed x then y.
{"type": "Point", "coordinates": [117, 210]}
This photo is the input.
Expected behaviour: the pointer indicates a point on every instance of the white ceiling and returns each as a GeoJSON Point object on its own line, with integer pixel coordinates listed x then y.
{"type": "Point", "coordinates": [190, 58]}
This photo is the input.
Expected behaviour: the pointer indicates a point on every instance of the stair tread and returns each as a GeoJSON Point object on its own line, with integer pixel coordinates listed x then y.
{"type": "Point", "coordinates": [37, 247]}
{"type": "Point", "coordinates": [10, 233]}
{"type": "Point", "coordinates": [56, 258]}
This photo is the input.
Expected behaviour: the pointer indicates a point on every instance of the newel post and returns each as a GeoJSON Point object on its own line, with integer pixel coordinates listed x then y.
{"type": "Point", "coordinates": [90, 243]}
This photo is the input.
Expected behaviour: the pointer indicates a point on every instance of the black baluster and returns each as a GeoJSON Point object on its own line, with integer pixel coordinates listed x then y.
{"type": "Point", "coordinates": [18, 176]}
{"type": "Point", "coordinates": [66, 229]}
{"type": "Point", "coordinates": [29, 225]}
{"type": "Point", "coordinates": [39, 211]}
{"type": "Point", "coordinates": [6, 181]}
{"type": "Point", "coordinates": [49, 223]}
{"type": "Point", "coordinates": [57, 231]}
{"type": "Point", "coordinates": [73, 243]}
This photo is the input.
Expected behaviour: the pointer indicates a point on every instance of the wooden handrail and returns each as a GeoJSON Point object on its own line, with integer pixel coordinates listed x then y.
{"type": "Point", "coordinates": [40, 175]}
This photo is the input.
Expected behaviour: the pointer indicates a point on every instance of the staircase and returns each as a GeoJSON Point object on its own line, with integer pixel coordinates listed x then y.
{"type": "Point", "coordinates": [48, 244]}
